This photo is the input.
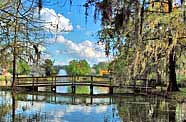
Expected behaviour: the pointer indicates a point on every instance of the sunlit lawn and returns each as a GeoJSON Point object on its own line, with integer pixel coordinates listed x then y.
{"type": "Point", "coordinates": [2, 81]}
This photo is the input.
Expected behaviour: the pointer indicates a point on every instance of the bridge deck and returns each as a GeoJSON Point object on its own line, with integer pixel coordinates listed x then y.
{"type": "Point", "coordinates": [73, 81]}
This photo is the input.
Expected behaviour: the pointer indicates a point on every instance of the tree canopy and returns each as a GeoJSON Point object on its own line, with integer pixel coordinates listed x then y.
{"type": "Point", "coordinates": [22, 68]}
{"type": "Point", "coordinates": [21, 32]}
{"type": "Point", "coordinates": [145, 37]}
{"type": "Point", "coordinates": [80, 67]}
{"type": "Point", "coordinates": [101, 66]}
{"type": "Point", "coordinates": [49, 68]}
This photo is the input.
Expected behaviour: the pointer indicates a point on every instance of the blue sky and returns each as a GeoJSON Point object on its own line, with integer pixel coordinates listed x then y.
{"type": "Point", "coordinates": [81, 40]}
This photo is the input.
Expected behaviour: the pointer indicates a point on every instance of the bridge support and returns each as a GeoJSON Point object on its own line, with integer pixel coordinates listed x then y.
{"type": "Point", "coordinates": [31, 88]}
{"type": "Point", "coordinates": [35, 89]}
{"type": "Point", "coordinates": [91, 100]}
{"type": "Point", "coordinates": [73, 89]}
{"type": "Point", "coordinates": [73, 100]}
{"type": "Point", "coordinates": [91, 89]}
{"type": "Point", "coordinates": [110, 90]}
{"type": "Point", "coordinates": [53, 89]}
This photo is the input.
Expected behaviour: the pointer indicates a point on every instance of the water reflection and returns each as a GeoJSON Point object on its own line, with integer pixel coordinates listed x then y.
{"type": "Point", "coordinates": [22, 107]}
{"type": "Point", "coordinates": [81, 90]}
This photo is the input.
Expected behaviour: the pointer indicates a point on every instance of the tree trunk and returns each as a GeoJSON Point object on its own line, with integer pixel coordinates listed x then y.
{"type": "Point", "coordinates": [14, 73]}
{"type": "Point", "coordinates": [13, 107]}
{"type": "Point", "coordinates": [172, 73]}
{"type": "Point", "coordinates": [15, 45]}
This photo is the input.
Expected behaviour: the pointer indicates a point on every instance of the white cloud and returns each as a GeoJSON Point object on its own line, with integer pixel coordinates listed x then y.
{"type": "Point", "coordinates": [59, 63]}
{"type": "Point", "coordinates": [78, 27]}
{"type": "Point", "coordinates": [55, 22]}
{"type": "Point", "coordinates": [84, 50]}
{"type": "Point", "coordinates": [69, 13]}
{"type": "Point", "coordinates": [85, 109]}
{"type": "Point", "coordinates": [46, 56]}
{"type": "Point", "coordinates": [58, 52]}
{"type": "Point", "coordinates": [41, 48]}
{"type": "Point", "coordinates": [88, 33]}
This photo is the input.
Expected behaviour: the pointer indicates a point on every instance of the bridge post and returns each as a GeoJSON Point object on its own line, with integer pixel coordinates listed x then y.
{"type": "Point", "coordinates": [91, 100]}
{"type": "Point", "coordinates": [110, 90]}
{"type": "Point", "coordinates": [53, 89]}
{"type": "Point", "coordinates": [37, 80]}
{"type": "Point", "coordinates": [110, 80]}
{"type": "Point", "coordinates": [110, 100]}
{"type": "Point", "coordinates": [53, 86]}
{"type": "Point", "coordinates": [35, 88]}
{"type": "Point", "coordinates": [73, 100]}
{"type": "Point", "coordinates": [73, 85]}
{"type": "Point", "coordinates": [33, 84]}
{"type": "Point", "coordinates": [91, 86]}
{"type": "Point", "coordinates": [134, 85]}
{"type": "Point", "coordinates": [52, 81]}
{"type": "Point", "coordinates": [55, 80]}
{"type": "Point", "coordinates": [91, 89]}
{"type": "Point", "coordinates": [73, 89]}
{"type": "Point", "coordinates": [17, 80]}
{"type": "Point", "coordinates": [110, 87]}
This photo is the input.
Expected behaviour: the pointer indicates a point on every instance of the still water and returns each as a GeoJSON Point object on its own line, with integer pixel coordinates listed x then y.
{"type": "Point", "coordinates": [50, 107]}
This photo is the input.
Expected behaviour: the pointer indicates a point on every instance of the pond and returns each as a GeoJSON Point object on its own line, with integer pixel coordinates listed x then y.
{"type": "Point", "coordinates": [50, 107]}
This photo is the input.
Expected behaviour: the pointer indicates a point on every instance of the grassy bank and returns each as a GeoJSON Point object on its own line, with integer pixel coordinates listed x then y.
{"type": "Point", "coordinates": [179, 96]}
{"type": "Point", "coordinates": [3, 81]}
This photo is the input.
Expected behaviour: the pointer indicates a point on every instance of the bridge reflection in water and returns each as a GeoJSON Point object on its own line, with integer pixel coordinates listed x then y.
{"type": "Point", "coordinates": [70, 99]}
{"type": "Point", "coordinates": [52, 107]}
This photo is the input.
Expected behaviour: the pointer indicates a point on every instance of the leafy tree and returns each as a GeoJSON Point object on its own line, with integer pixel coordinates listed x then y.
{"type": "Point", "coordinates": [20, 32]}
{"type": "Point", "coordinates": [148, 35]}
{"type": "Point", "coordinates": [166, 44]}
{"type": "Point", "coordinates": [101, 66]}
{"type": "Point", "coordinates": [78, 67]}
{"type": "Point", "coordinates": [49, 67]}
{"type": "Point", "coordinates": [22, 68]}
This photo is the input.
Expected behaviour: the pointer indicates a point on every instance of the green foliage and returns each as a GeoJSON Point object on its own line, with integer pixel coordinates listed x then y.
{"type": "Point", "coordinates": [22, 68]}
{"type": "Point", "coordinates": [49, 68]}
{"type": "Point", "coordinates": [82, 89]}
{"type": "Point", "coordinates": [100, 66]}
{"type": "Point", "coordinates": [143, 37]}
{"type": "Point", "coordinates": [181, 78]}
{"type": "Point", "coordinates": [78, 67]}
{"type": "Point", "coordinates": [21, 34]}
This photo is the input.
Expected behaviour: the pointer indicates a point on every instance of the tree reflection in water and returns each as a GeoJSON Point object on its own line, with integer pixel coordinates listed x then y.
{"type": "Point", "coordinates": [49, 107]}
{"type": "Point", "coordinates": [140, 109]}
{"type": "Point", "coordinates": [13, 106]}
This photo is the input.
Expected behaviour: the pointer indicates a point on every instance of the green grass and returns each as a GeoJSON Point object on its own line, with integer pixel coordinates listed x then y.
{"type": "Point", "coordinates": [183, 90]}
{"type": "Point", "coordinates": [181, 78]}
{"type": "Point", "coordinates": [2, 80]}
{"type": "Point", "coordinates": [180, 95]}
{"type": "Point", "coordinates": [82, 90]}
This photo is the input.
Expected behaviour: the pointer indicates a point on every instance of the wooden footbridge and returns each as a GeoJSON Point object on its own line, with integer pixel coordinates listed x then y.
{"type": "Point", "coordinates": [33, 83]}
